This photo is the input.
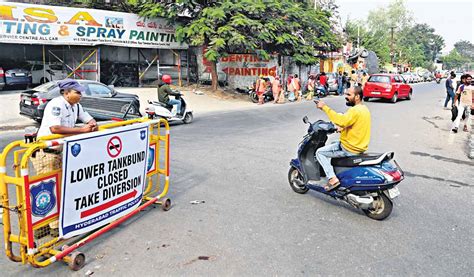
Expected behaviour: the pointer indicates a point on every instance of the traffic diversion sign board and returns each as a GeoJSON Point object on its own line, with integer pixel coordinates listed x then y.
{"type": "Point", "coordinates": [103, 177]}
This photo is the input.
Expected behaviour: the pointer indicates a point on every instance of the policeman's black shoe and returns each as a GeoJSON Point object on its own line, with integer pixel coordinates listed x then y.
{"type": "Point", "coordinates": [455, 130]}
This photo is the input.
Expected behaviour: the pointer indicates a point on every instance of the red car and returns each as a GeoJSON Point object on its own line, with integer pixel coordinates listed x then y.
{"type": "Point", "coordinates": [388, 86]}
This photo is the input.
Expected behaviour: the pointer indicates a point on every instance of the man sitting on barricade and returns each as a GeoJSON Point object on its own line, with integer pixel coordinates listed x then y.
{"type": "Point", "coordinates": [60, 116]}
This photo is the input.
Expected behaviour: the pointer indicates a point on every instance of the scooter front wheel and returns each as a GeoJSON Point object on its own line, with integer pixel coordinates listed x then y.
{"type": "Point", "coordinates": [382, 207]}
{"type": "Point", "coordinates": [296, 181]}
{"type": "Point", "coordinates": [188, 118]}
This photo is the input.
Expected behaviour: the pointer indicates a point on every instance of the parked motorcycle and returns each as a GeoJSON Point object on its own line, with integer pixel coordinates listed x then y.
{"type": "Point", "coordinates": [368, 181]}
{"type": "Point", "coordinates": [157, 109]}
{"type": "Point", "coordinates": [321, 91]}
{"type": "Point", "coordinates": [267, 95]}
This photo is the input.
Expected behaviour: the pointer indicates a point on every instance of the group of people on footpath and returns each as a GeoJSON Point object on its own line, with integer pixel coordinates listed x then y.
{"type": "Point", "coordinates": [296, 91]}
{"type": "Point", "coordinates": [461, 100]}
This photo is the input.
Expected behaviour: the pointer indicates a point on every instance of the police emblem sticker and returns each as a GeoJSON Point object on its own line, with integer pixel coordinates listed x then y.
{"type": "Point", "coordinates": [56, 111]}
{"type": "Point", "coordinates": [151, 158]}
{"type": "Point", "coordinates": [75, 149]}
{"type": "Point", "coordinates": [142, 135]}
{"type": "Point", "coordinates": [43, 198]}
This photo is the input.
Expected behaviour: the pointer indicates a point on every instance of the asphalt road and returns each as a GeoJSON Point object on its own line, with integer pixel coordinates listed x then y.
{"type": "Point", "coordinates": [253, 224]}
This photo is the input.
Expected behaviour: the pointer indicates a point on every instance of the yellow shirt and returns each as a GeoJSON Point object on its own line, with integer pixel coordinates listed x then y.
{"type": "Point", "coordinates": [355, 136]}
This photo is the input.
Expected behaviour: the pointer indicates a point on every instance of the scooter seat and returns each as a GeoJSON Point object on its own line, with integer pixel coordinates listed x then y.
{"type": "Point", "coordinates": [363, 159]}
{"type": "Point", "coordinates": [164, 105]}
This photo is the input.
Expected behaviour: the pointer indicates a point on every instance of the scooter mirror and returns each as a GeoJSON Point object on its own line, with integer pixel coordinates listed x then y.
{"type": "Point", "coordinates": [305, 119]}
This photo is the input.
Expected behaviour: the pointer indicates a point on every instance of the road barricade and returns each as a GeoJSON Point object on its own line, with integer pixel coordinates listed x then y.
{"type": "Point", "coordinates": [59, 193]}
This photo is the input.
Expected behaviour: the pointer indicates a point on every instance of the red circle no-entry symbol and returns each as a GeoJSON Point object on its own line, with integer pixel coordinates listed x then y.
{"type": "Point", "coordinates": [114, 146]}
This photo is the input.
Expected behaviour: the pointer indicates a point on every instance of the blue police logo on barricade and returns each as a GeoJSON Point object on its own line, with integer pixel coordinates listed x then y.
{"type": "Point", "coordinates": [75, 149]}
{"type": "Point", "coordinates": [43, 199]}
{"type": "Point", "coordinates": [151, 158]}
{"type": "Point", "coordinates": [142, 135]}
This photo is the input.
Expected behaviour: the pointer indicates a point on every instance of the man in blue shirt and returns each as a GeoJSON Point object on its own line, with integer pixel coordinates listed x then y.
{"type": "Point", "coordinates": [449, 90]}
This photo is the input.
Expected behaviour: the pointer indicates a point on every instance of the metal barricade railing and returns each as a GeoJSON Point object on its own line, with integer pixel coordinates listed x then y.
{"type": "Point", "coordinates": [35, 238]}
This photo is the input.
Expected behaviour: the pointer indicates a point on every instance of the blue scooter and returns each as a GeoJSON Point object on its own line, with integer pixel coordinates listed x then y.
{"type": "Point", "coordinates": [368, 181]}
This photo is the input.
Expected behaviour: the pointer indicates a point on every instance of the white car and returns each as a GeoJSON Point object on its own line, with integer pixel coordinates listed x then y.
{"type": "Point", "coordinates": [49, 72]}
{"type": "Point", "coordinates": [415, 77]}
{"type": "Point", "coordinates": [408, 78]}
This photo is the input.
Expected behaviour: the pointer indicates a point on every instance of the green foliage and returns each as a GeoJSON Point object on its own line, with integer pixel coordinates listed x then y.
{"type": "Point", "coordinates": [465, 49]}
{"type": "Point", "coordinates": [454, 60]}
{"type": "Point", "coordinates": [414, 44]}
{"type": "Point", "coordinates": [262, 27]}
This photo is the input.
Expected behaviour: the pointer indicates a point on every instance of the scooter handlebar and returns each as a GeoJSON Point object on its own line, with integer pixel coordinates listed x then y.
{"type": "Point", "coordinates": [325, 126]}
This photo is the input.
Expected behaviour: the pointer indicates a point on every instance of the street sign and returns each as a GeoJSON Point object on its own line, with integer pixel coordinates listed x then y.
{"type": "Point", "coordinates": [103, 177]}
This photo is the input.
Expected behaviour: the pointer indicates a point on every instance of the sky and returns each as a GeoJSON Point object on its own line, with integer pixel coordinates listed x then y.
{"type": "Point", "coordinates": [451, 19]}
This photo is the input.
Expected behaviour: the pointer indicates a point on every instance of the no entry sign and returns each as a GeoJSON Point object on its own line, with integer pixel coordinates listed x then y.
{"type": "Point", "coordinates": [114, 146]}
{"type": "Point", "coordinates": [103, 177]}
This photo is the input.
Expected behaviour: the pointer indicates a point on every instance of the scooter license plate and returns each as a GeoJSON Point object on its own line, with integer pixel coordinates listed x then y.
{"type": "Point", "coordinates": [393, 192]}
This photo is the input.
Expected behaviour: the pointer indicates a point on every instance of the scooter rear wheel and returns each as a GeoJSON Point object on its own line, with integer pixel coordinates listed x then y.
{"type": "Point", "coordinates": [296, 181]}
{"type": "Point", "coordinates": [382, 207]}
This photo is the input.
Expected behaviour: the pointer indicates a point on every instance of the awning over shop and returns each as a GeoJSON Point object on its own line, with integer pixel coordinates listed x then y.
{"type": "Point", "coordinates": [52, 25]}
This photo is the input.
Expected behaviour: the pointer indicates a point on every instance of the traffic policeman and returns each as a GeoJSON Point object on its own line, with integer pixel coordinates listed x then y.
{"type": "Point", "coordinates": [60, 116]}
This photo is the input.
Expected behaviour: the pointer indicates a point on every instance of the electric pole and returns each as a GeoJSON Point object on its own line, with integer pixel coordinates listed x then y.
{"type": "Point", "coordinates": [392, 54]}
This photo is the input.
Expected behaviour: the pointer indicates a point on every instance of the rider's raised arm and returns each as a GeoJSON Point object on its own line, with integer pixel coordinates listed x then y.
{"type": "Point", "coordinates": [342, 120]}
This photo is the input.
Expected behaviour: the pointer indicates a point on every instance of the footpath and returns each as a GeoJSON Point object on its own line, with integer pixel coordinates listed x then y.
{"type": "Point", "coordinates": [200, 100]}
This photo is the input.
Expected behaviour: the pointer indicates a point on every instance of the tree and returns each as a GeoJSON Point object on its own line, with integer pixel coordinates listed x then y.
{"type": "Point", "coordinates": [262, 27]}
{"type": "Point", "coordinates": [453, 60]}
{"type": "Point", "coordinates": [465, 49]}
{"type": "Point", "coordinates": [370, 40]}
{"type": "Point", "coordinates": [414, 44]}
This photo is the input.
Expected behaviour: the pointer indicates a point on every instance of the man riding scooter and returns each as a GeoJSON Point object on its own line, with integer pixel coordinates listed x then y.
{"type": "Point", "coordinates": [165, 91]}
{"type": "Point", "coordinates": [354, 126]}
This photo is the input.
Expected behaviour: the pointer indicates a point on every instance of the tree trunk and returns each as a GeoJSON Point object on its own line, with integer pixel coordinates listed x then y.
{"type": "Point", "coordinates": [214, 77]}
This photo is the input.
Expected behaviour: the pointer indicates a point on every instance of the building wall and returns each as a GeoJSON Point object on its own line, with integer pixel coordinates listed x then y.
{"type": "Point", "coordinates": [243, 69]}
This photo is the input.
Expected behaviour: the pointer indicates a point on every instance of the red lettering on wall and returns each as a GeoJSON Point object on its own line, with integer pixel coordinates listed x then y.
{"type": "Point", "coordinates": [250, 71]}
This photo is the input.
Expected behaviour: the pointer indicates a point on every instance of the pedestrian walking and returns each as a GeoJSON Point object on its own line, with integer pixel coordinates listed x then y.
{"type": "Point", "coordinates": [260, 87]}
{"type": "Point", "coordinates": [354, 78]}
{"type": "Point", "coordinates": [290, 88]}
{"type": "Point", "coordinates": [311, 86]}
{"type": "Point", "coordinates": [449, 90]}
{"type": "Point", "coordinates": [365, 78]}
{"type": "Point", "coordinates": [323, 80]}
{"type": "Point", "coordinates": [297, 87]}
{"type": "Point", "coordinates": [276, 89]}
{"type": "Point", "coordinates": [340, 83]}
{"type": "Point", "coordinates": [346, 82]}
{"type": "Point", "coordinates": [461, 83]}
{"type": "Point", "coordinates": [464, 93]}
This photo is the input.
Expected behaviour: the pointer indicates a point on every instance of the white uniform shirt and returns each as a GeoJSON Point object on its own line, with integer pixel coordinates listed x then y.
{"type": "Point", "coordinates": [59, 112]}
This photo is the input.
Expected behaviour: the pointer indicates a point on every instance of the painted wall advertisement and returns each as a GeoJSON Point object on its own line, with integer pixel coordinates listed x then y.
{"type": "Point", "coordinates": [243, 69]}
{"type": "Point", "coordinates": [41, 24]}
{"type": "Point", "coordinates": [99, 190]}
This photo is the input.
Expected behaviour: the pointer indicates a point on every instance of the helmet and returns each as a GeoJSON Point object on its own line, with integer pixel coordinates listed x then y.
{"type": "Point", "coordinates": [166, 79]}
